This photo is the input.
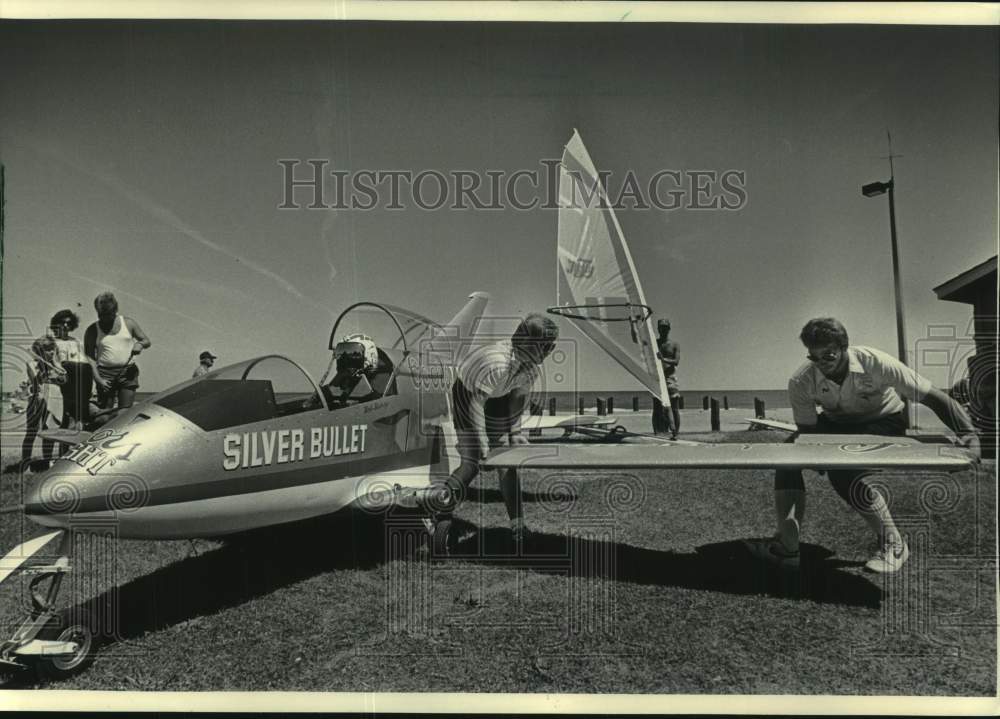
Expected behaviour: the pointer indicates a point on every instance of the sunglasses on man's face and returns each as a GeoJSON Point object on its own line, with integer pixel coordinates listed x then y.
{"type": "Point", "coordinates": [824, 357]}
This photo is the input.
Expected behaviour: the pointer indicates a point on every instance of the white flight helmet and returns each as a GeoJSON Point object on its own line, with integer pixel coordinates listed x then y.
{"type": "Point", "coordinates": [356, 352]}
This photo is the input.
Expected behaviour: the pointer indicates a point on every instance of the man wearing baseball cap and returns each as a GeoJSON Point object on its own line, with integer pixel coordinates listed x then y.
{"type": "Point", "coordinates": [206, 360]}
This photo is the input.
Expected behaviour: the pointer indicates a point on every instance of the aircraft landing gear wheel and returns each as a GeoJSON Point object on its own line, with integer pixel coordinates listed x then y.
{"type": "Point", "coordinates": [66, 665]}
{"type": "Point", "coordinates": [442, 540]}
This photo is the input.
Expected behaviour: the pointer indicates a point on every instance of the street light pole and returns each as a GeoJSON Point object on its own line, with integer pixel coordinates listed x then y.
{"type": "Point", "coordinates": [874, 189]}
{"type": "Point", "coordinates": [900, 325]}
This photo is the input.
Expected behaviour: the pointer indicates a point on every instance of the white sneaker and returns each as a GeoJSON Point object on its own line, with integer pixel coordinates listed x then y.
{"type": "Point", "coordinates": [888, 559]}
{"type": "Point", "coordinates": [773, 552]}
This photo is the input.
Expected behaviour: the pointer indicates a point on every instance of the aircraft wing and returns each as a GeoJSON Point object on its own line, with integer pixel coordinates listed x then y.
{"type": "Point", "coordinates": [65, 436]}
{"type": "Point", "coordinates": [840, 453]}
{"type": "Point", "coordinates": [20, 554]}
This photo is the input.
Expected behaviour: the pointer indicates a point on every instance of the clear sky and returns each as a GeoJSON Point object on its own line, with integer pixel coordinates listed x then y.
{"type": "Point", "coordinates": [143, 157]}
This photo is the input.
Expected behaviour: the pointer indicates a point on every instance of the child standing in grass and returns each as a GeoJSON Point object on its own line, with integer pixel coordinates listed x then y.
{"type": "Point", "coordinates": [43, 372]}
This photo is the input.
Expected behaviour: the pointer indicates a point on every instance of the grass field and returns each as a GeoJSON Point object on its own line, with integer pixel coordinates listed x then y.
{"type": "Point", "coordinates": [636, 584]}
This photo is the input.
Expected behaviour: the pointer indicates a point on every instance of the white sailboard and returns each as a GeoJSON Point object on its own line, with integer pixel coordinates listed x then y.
{"type": "Point", "coordinates": [597, 286]}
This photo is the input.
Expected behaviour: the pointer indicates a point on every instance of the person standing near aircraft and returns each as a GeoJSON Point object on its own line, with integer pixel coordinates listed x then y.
{"type": "Point", "coordinates": [79, 375]}
{"type": "Point", "coordinates": [110, 344]}
{"type": "Point", "coordinates": [669, 354]}
{"type": "Point", "coordinates": [43, 372]}
{"type": "Point", "coordinates": [489, 396]}
{"type": "Point", "coordinates": [860, 390]}
{"type": "Point", "coordinates": [205, 361]}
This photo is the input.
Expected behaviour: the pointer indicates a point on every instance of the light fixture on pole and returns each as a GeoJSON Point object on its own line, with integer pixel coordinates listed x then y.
{"type": "Point", "coordinates": [874, 189]}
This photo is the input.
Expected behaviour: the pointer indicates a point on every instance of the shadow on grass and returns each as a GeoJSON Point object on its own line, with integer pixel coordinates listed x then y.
{"type": "Point", "coordinates": [724, 567]}
{"type": "Point", "coordinates": [255, 564]}
{"type": "Point", "coordinates": [246, 566]}
{"type": "Point", "coordinates": [481, 495]}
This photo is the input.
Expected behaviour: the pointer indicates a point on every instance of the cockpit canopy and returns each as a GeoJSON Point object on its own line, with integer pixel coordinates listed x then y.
{"type": "Point", "coordinates": [251, 391]}
{"type": "Point", "coordinates": [369, 342]}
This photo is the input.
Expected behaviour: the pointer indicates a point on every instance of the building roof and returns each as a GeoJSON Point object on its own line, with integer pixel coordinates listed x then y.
{"type": "Point", "coordinates": [965, 287]}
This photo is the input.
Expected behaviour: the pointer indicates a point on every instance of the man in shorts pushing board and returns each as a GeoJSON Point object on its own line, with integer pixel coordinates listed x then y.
{"type": "Point", "coordinates": [845, 389]}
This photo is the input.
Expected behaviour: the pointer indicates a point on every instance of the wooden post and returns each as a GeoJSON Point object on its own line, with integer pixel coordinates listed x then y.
{"type": "Point", "coordinates": [725, 401]}
{"type": "Point", "coordinates": [611, 405]}
{"type": "Point", "coordinates": [601, 410]}
{"type": "Point", "coordinates": [716, 426]}
{"type": "Point", "coordinates": [552, 406]}
{"type": "Point", "coordinates": [680, 401]}
{"type": "Point", "coordinates": [758, 408]}
{"type": "Point", "coordinates": [704, 402]}
{"type": "Point", "coordinates": [534, 409]}
{"type": "Point", "coordinates": [635, 403]}
{"type": "Point", "coordinates": [582, 405]}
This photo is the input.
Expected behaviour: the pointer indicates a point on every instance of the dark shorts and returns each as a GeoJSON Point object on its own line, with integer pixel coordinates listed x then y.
{"type": "Point", "coordinates": [117, 378]}
{"type": "Point", "coordinates": [843, 480]}
{"type": "Point", "coordinates": [894, 425]}
{"type": "Point", "coordinates": [499, 413]}
{"type": "Point", "coordinates": [672, 389]}
{"type": "Point", "coordinates": [77, 388]}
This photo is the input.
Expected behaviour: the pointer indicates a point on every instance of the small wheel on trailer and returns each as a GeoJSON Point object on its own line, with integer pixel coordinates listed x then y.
{"type": "Point", "coordinates": [442, 540]}
{"type": "Point", "coordinates": [64, 628]}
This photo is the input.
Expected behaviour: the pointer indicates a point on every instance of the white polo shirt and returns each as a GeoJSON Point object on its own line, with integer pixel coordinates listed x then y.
{"type": "Point", "coordinates": [873, 388]}
{"type": "Point", "coordinates": [495, 371]}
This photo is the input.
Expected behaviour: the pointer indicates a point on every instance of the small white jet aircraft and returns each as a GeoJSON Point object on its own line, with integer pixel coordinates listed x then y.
{"type": "Point", "coordinates": [250, 445]}
{"type": "Point", "coordinates": [259, 443]}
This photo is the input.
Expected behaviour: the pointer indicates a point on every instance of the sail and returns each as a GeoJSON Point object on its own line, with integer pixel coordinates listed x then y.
{"type": "Point", "coordinates": [597, 284]}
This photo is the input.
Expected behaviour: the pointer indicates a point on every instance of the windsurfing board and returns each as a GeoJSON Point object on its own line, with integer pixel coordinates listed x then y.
{"type": "Point", "coordinates": [760, 422]}
{"type": "Point", "coordinates": [623, 435]}
{"type": "Point", "coordinates": [537, 421]}
{"type": "Point", "coordinates": [883, 454]}
{"type": "Point", "coordinates": [854, 439]}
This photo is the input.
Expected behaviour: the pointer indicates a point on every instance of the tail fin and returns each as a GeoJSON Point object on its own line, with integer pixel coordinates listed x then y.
{"type": "Point", "coordinates": [451, 343]}
{"type": "Point", "coordinates": [447, 348]}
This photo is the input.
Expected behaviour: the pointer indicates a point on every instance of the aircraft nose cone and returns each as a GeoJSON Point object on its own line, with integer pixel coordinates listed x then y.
{"type": "Point", "coordinates": [51, 493]}
{"type": "Point", "coordinates": [53, 498]}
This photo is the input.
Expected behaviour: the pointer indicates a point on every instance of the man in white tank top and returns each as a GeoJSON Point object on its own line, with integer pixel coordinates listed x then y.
{"type": "Point", "coordinates": [110, 345]}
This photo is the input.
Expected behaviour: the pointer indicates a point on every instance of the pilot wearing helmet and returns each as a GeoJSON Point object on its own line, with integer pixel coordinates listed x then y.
{"type": "Point", "coordinates": [357, 362]}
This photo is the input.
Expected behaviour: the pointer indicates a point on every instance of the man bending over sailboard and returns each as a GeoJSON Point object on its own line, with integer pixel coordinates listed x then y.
{"type": "Point", "coordinates": [859, 390]}
{"type": "Point", "coordinates": [489, 397]}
